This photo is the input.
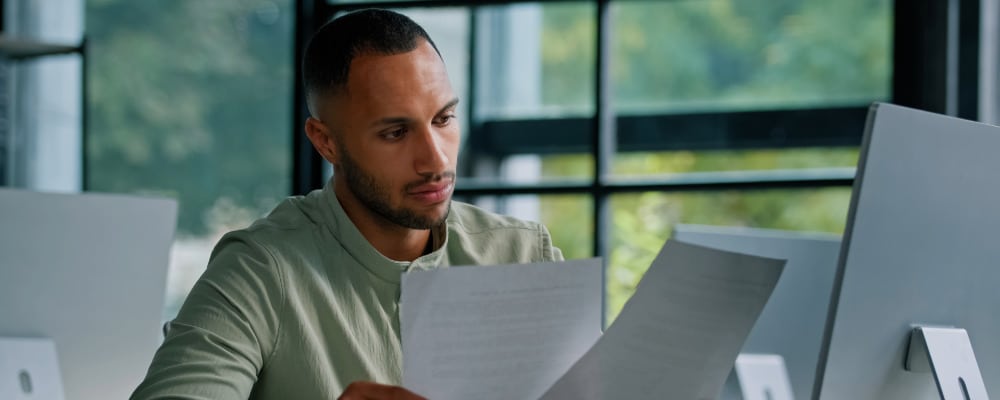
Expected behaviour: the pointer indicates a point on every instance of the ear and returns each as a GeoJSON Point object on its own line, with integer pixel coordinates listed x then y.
{"type": "Point", "coordinates": [322, 140]}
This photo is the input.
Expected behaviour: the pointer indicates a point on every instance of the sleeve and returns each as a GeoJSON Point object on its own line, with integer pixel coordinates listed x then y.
{"type": "Point", "coordinates": [549, 251]}
{"type": "Point", "coordinates": [225, 330]}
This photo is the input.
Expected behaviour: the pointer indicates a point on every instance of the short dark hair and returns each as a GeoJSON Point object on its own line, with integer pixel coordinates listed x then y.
{"type": "Point", "coordinates": [331, 50]}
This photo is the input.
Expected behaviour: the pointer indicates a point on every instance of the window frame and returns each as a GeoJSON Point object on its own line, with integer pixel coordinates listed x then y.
{"type": "Point", "coordinates": [936, 71]}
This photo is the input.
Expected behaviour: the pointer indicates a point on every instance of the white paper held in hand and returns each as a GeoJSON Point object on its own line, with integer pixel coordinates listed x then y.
{"type": "Point", "coordinates": [680, 333]}
{"type": "Point", "coordinates": [497, 332]}
{"type": "Point", "coordinates": [533, 330]}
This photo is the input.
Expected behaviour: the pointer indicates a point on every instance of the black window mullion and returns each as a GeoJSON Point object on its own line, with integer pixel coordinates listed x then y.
{"type": "Point", "coordinates": [475, 126]}
{"type": "Point", "coordinates": [967, 40]}
{"type": "Point", "coordinates": [935, 56]}
{"type": "Point", "coordinates": [839, 126]}
{"type": "Point", "coordinates": [603, 138]}
{"type": "Point", "coordinates": [307, 166]}
{"type": "Point", "coordinates": [701, 181]}
{"type": "Point", "coordinates": [602, 144]}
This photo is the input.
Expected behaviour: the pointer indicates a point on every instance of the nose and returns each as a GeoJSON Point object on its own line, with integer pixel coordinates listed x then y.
{"type": "Point", "coordinates": [430, 155]}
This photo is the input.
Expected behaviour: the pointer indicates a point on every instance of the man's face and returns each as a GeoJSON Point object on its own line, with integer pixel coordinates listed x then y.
{"type": "Point", "coordinates": [397, 136]}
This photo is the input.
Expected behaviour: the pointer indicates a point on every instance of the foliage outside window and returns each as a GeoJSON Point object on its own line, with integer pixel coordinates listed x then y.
{"type": "Point", "coordinates": [192, 100]}
{"type": "Point", "coordinates": [717, 55]}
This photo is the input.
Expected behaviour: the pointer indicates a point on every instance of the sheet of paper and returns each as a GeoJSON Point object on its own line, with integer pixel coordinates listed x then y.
{"type": "Point", "coordinates": [497, 332]}
{"type": "Point", "coordinates": [679, 334]}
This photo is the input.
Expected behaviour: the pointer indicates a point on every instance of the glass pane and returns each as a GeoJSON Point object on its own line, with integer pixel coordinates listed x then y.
{"type": "Point", "coordinates": [568, 217]}
{"type": "Point", "coordinates": [534, 68]}
{"type": "Point", "coordinates": [46, 124]}
{"type": "Point", "coordinates": [567, 167]}
{"type": "Point", "coordinates": [642, 222]}
{"type": "Point", "coordinates": [731, 54]}
{"type": "Point", "coordinates": [535, 61]}
{"type": "Point", "coordinates": [40, 99]}
{"type": "Point", "coordinates": [200, 114]}
{"type": "Point", "coordinates": [689, 57]}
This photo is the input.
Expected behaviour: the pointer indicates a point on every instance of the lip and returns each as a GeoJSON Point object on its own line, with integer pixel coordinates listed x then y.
{"type": "Point", "coordinates": [432, 193]}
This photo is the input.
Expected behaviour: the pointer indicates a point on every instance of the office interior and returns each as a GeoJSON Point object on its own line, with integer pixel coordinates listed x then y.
{"type": "Point", "coordinates": [610, 121]}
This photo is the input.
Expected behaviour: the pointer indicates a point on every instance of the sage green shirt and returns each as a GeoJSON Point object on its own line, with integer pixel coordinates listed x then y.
{"type": "Point", "coordinates": [299, 305]}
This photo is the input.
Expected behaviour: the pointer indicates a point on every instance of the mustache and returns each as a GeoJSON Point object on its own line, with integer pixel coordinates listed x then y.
{"type": "Point", "coordinates": [444, 176]}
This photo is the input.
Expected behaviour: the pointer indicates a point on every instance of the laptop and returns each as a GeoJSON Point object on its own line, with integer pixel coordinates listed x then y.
{"type": "Point", "coordinates": [29, 370]}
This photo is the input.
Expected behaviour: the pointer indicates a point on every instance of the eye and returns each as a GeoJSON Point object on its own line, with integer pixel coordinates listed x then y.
{"type": "Point", "coordinates": [444, 119]}
{"type": "Point", "coordinates": [394, 134]}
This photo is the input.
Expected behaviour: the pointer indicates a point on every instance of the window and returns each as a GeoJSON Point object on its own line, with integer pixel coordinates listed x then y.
{"type": "Point", "coordinates": [642, 221]}
{"type": "Point", "coordinates": [41, 129]}
{"type": "Point", "coordinates": [192, 100]}
{"type": "Point", "coordinates": [643, 114]}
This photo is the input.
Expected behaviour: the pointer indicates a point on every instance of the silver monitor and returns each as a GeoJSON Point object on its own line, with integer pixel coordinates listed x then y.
{"type": "Point", "coordinates": [89, 272]}
{"type": "Point", "coordinates": [920, 248]}
{"type": "Point", "coordinates": [792, 322]}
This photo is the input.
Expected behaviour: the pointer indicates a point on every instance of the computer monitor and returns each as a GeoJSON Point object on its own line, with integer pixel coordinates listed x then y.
{"type": "Point", "coordinates": [920, 247]}
{"type": "Point", "coordinates": [89, 272]}
{"type": "Point", "coordinates": [793, 320]}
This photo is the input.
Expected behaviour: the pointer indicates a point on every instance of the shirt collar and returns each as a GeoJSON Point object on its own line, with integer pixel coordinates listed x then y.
{"type": "Point", "coordinates": [361, 250]}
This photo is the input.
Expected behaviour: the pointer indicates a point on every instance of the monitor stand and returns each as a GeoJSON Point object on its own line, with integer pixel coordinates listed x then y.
{"type": "Point", "coordinates": [763, 377]}
{"type": "Point", "coordinates": [947, 353]}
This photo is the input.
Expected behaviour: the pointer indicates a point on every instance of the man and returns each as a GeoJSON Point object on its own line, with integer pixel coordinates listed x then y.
{"type": "Point", "coordinates": [304, 304]}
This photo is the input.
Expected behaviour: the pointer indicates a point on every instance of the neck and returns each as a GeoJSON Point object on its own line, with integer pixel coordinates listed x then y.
{"type": "Point", "coordinates": [392, 240]}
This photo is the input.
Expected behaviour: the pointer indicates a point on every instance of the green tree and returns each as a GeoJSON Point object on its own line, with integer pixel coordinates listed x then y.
{"type": "Point", "coordinates": [707, 55]}
{"type": "Point", "coordinates": [190, 99]}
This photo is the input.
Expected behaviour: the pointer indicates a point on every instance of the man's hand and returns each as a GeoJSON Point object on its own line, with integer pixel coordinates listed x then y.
{"type": "Point", "coordinates": [375, 391]}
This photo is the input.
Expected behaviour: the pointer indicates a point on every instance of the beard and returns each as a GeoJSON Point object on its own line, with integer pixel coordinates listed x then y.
{"type": "Point", "coordinates": [376, 197]}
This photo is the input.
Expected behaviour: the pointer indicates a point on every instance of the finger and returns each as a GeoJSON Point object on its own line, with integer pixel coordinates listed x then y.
{"type": "Point", "coordinates": [374, 391]}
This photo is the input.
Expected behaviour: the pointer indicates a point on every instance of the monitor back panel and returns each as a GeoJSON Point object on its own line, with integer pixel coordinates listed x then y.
{"type": "Point", "coordinates": [793, 320]}
{"type": "Point", "coordinates": [89, 272]}
{"type": "Point", "coordinates": [920, 248]}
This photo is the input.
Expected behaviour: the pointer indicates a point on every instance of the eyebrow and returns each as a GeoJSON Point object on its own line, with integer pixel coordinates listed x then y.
{"type": "Point", "coordinates": [403, 120]}
{"type": "Point", "coordinates": [452, 103]}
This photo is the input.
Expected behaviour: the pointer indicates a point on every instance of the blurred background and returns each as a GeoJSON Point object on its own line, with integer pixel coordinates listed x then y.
{"type": "Point", "coordinates": [609, 121]}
